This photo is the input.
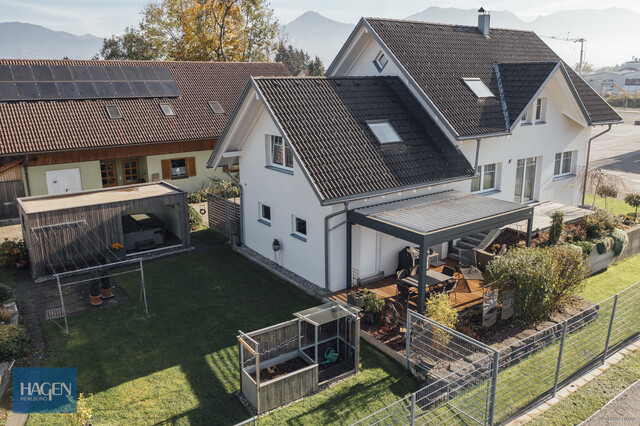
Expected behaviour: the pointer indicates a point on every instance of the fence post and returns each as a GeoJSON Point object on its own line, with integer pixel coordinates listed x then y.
{"type": "Point", "coordinates": [494, 387]}
{"type": "Point", "coordinates": [413, 408]}
{"type": "Point", "coordinates": [555, 382]}
{"type": "Point", "coordinates": [408, 338]}
{"type": "Point", "coordinates": [613, 315]}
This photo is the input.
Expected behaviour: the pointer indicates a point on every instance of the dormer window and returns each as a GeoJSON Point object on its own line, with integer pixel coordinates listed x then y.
{"type": "Point", "coordinates": [381, 61]}
{"type": "Point", "coordinates": [384, 132]}
{"type": "Point", "coordinates": [478, 88]}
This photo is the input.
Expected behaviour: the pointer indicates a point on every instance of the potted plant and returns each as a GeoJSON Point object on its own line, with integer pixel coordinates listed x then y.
{"type": "Point", "coordinates": [105, 285]}
{"type": "Point", "coordinates": [373, 306]}
{"type": "Point", "coordinates": [276, 244]}
{"type": "Point", "coordinates": [115, 252]}
{"type": "Point", "coordinates": [94, 292]}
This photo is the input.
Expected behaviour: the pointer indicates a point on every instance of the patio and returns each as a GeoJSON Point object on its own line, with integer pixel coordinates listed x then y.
{"type": "Point", "coordinates": [469, 292]}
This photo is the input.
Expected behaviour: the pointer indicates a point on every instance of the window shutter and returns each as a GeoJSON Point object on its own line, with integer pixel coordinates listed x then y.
{"type": "Point", "coordinates": [191, 166]}
{"type": "Point", "coordinates": [166, 169]}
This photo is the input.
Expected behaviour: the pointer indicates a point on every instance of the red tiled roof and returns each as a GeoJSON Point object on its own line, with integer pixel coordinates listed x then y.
{"type": "Point", "coordinates": [27, 127]}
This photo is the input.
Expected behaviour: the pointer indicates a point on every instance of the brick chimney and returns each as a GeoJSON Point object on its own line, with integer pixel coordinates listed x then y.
{"type": "Point", "coordinates": [483, 21]}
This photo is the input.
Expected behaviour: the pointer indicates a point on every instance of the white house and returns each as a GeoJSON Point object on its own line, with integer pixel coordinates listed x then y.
{"type": "Point", "coordinates": [421, 134]}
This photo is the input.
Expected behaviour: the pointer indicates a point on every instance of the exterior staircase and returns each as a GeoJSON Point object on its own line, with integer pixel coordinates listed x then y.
{"type": "Point", "coordinates": [468, 242]}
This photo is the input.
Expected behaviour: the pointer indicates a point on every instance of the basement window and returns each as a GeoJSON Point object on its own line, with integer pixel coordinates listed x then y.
{"type": "Point", "coordinates": [114, 112]}
{"type": "Point", "coordinates": [168, 110]}
{"type": "Point", "coordinates": [384, 132]}
{"type": "Point", "coordinates": [216, 107]}
{"type": "Point", "coordinates": [478, 88]}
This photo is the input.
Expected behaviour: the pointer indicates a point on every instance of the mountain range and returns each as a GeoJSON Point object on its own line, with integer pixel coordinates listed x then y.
{"type": "Point", "coordinates": [611, 35]}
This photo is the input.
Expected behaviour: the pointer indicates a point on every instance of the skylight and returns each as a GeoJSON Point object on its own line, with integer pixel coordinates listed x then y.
{"type": "Point", "coordinates": [168, 110]}
{"type": "Point", "coordinates": [114, 112]}
{"type": "Point", "coordinates": [216, 107]}
{"type": "Point", "coordinates": [478, 88]}
{"type": "Point", "coordinates": [384, 132]}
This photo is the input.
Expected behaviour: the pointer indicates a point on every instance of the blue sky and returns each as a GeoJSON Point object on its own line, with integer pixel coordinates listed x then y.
{"type": "Point", "coordinates": [103, 18]}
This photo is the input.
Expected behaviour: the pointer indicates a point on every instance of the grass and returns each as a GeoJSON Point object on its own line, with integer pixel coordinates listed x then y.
{"type": "Point", "coordinates": [179, 365]}
{"type": "Point", "coordinates": [590, 398]}
{"type": "Point", "coordinates": [612, 280]}
{"type": "Point", "coordinates": [6, 277]}
{"type": "Point", "coordinates": [613, 205]}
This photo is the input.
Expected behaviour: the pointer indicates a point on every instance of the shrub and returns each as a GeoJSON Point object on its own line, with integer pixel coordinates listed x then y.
{"type": "Point", "coordinates": [633, 199]}
{"type": "Point", "coordinates": [6, 294]}
{"type": "Point", "coordinates": [197, 197]}
{"type": "Point", "coordinates": [603, 244]}
{"type": "Point", "coordinates": [438, 308]}
{"type": "Point", "coordinates": [372, 303]}
{"type": "Point", "coordinates": [5, 315]}
{"type": "Point", "coordinates": [557, 226]}
{"type": "Point", "coordinates": [620, 240]}
{"type": "Point", "coordinates": [14, 342]}
{"type": "Point", "coordinates": [544, 278]}
{"type": "Point", "coordinates": [195, 219]}
{"type": "Point", "coordinates": [11, 252]}
{"type": "Point", "coordinates": [585, 246]}
{"type": "Point", "coordinates": [599, 223]}
{"type": "Point", "coordinates": [225, 188]}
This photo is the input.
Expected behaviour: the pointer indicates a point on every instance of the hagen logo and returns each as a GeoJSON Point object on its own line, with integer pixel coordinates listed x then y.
{"type": "Point", "coordinates": [44, 390]}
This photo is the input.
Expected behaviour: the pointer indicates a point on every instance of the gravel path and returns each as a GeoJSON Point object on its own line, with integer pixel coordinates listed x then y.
{"type": "Point", "coordinates": [623, 409]}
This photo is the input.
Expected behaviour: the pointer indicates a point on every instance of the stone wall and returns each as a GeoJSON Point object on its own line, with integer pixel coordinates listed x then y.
{"type": "Point", "coordinates": [599, 261]}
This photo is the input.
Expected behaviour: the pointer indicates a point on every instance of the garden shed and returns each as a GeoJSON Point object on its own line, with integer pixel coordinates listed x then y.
{"type": "Point", "coordinates": [83, 229]}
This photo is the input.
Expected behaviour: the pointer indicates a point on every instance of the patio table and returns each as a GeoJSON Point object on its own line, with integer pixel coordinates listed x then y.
{"type": "Point", "coordinates": [433, 279]}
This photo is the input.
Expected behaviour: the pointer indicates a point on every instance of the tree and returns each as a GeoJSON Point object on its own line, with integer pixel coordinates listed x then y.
{"type": "Point", "coordinates": [316, 67]}
{"type": "Point", "coordinates": [294, 59]}
{"type": "Point", "coordinates": [585, 66]}
{"type": "Point", "coordinates": [633, 199]}
{"type": "Point", "coordinates": [210, 30]}
{"type": "Point", "coordinates": [132, 45]}
{"type": "Point", "coordinates": [607, 191]}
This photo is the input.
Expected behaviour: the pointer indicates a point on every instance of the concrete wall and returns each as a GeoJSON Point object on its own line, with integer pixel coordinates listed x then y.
{"type": "Point", "coordinates": [89, 175]}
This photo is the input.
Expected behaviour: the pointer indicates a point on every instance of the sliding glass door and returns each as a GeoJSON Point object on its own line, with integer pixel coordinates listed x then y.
{"type": "Point", "coordinates": [525, 180]}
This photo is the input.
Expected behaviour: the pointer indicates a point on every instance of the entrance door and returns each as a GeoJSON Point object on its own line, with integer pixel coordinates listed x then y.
{"type": "Point", "coordinates": [525, 180]}
{"type": "Point", "coordinates": [63, 181]}
{"type": "Point", "coordinates": [108, 173]}
{"type": "Point", "coordinates": [369, 247]}
{"type": "Point", "coordinates": [131, 171]}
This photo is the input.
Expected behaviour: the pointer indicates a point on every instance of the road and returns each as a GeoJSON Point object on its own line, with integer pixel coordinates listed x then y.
{"type": "Point", "coordinates": [618, 151]}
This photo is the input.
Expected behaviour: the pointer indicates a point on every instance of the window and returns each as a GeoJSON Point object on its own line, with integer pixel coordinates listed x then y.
{"type": "Point", "coordinates": [525, 180]}
{"type": "Point", "coordinates": [563, 164]}
{"type": "Point", "coordinates": [383, 131]}
{"type": "Point", "coordinates": [114, 112]}
{"type": "Point", "coordinates": [381, 61]}
{"type": "Point", "coordinates": [299, 228]}
{"type": "Point", "coordinates": [540, 110]}
{"type": "Point", "coordinates": [216, 108]}
{"type": "Point", "coordinates": [168, 110]}
{"type": "Point", "coordinates": [178, 168]}
{"type": "Point", "coordinates": [264, 212]}
{"type": "Point", "coordinates": [281, 155]}
{"type": "Point", "coordinates": [478, 88]}
{"type": "Point", "coordinates": [486, 178]}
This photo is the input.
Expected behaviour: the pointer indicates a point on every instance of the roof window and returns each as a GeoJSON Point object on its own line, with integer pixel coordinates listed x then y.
{"type": "Point", "coordinates": [114, 112]}
{"type": "Point", "coordinates": [381, 61]}
{"type": "Point", "coordinates": [384, 132]}
{"type": "Point", "coordinates": [478, 88]}
{"type": "Point", "coordinates": [168, 110]}
{"type": "Point", "coordinates": [216, 107]}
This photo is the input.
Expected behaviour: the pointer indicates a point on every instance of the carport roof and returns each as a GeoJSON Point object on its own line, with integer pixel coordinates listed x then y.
{"type": "Point", "coordinates": [439, 217]}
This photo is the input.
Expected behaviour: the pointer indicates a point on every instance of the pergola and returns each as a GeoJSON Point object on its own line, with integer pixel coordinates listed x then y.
{"type": "Point", "coordinates": [434, 219]}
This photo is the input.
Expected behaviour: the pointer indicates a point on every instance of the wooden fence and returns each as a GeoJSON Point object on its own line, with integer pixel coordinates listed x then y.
{"type": "Point", "coordinates": [9, 191]}
{"type": "Point", "coordinates": [224, 215]}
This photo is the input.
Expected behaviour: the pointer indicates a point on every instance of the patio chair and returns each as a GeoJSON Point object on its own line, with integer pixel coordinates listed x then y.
{"type": "Point", "coordinates": [404, 294]}
{"type": "Point", "coordinates": [448, 270]}
{"type": "Point", "coordinates": [450, 287]}
{"type": "Point", "coordinates": [468, 265]}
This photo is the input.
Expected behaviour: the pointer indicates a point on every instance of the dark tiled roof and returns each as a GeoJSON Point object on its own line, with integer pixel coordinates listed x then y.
{"type": "Point", "coordinates": [69, 125]}
{"type": "Point", "coordinates": [439, 56]}
{"type": "Point", "coordinates": [325, 121]}
{"type": "Point", "coordinates": [520, 82]}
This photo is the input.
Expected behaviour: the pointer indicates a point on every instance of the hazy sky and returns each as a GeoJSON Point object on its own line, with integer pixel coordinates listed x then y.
{"type": "Point", "coordinates": [103, 18]}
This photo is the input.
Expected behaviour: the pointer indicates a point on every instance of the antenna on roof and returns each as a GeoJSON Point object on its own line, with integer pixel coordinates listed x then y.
{"type": "Point", "coordinates": [484, 17]}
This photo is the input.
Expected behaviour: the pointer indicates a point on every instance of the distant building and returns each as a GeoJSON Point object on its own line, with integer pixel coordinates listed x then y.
{"type": "Point", "coordinates": [626, 79]}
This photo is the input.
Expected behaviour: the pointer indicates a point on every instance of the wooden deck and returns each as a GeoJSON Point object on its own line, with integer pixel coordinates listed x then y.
{"type": "Point", "coordinates": [469, 292]}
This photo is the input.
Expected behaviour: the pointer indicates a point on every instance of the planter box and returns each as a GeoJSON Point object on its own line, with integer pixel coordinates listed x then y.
{"type": "Point", "coordinates": [599, 261]}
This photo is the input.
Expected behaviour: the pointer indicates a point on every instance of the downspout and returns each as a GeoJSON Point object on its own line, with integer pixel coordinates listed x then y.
{"type": "Point", "coordinates": [327, 268]}
{"type": "Point", "coordinates": [241, 207]}
{"type": "Point", "coordinates": [586, 166]}
{"type": "Point", "coordinates": [475, 167]}
{"type": "Point", "coordinates": [26, 174]}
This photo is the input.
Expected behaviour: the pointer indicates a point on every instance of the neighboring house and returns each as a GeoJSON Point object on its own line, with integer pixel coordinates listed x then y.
{"type": "Point", "coordinates": [416, 124]}
{"type": "Point", "coordinates": [82, 125]}
{"type": "Point", "coordinates": [626, 79]}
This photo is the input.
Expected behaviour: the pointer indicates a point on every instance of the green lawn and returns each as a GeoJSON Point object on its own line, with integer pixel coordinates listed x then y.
{"type": "Point", "coordinates": [593, 396]}
{"type": "Point", "coordinates": [612, 280]}
{"type": "Point", "coordinates": [613, 205]}
{"type": "Point", "coordinates": [180, 364]}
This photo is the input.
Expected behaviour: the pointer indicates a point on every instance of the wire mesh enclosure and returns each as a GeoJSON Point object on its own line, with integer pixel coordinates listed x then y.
{"type": "Point", "coordinates": [290, 360]}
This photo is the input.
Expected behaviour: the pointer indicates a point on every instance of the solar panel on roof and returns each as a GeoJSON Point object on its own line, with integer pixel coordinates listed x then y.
{"type": "Point", "coordinates": [22, 73]}
{"type": "Point", "coordinates": [79, 73]}
{"type": "Point", "coordinates": [123, 90]}
{"type": "Point", "coordinates": [132, 73]}
{"type": "Point", "coordinates": [156, 89]}
{"type": "Point", "coordinates": [105, 89]}
{"type": "Point", "coordinates": [5, 73]}
{"type": "Point", "coordinates": [41, 73]}
{"type": "Point", "coordinates": [163, 73]}
{"type": "Point", "coordinates": [98, 73]}
{"type": "Point", "coordinates": [68, 90]}
{"type": "Point", "coordinates": [140, 89]}
{"type": "Point", "coordinates": [86, 89]}
{"type": "Point", "coordinates": [115, 73]}
{"type": "Point", "coordinates": [61, 73]}
{"type": "Point", "coordinates": [8, 91]}
{"type": "Point", "coordinates": [27, 91]}
{"type": "Point", "coordinates": [48, 90]}
{"type": "Point", "coordinates": [148, 73]}
{"type": "Point", "coordinates": [171, 88]}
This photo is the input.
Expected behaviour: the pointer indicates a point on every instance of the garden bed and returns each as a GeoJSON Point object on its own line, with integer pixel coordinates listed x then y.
{"type": "Point", "coordinates": [281, 369]}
